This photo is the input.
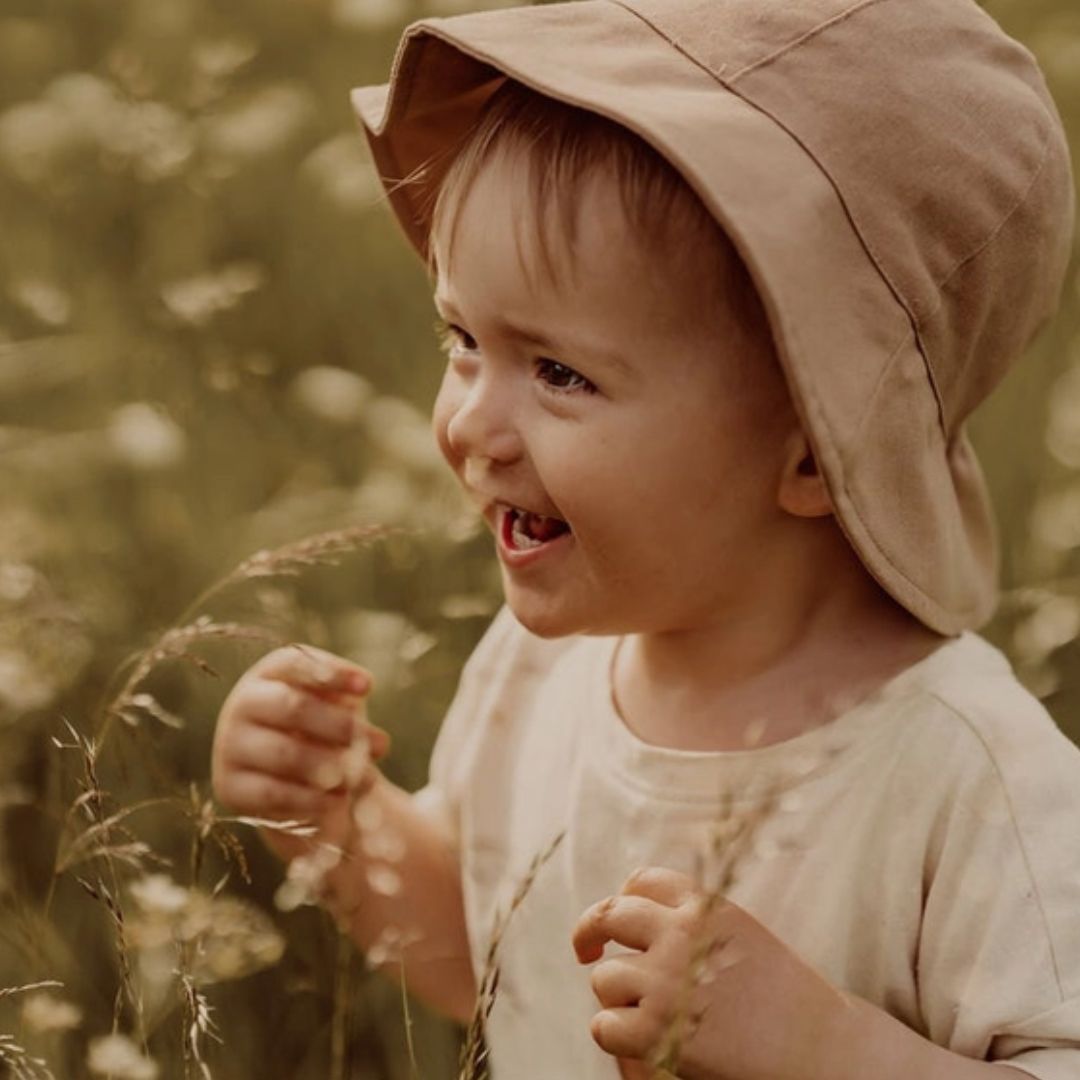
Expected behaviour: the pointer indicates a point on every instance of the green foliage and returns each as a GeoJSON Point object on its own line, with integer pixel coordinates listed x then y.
{"type": "Point", "coordinates": [213, 341]}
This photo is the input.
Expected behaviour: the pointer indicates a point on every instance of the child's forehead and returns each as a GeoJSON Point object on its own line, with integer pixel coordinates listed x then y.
{"type": "Point", "coordinates": [561, 230]}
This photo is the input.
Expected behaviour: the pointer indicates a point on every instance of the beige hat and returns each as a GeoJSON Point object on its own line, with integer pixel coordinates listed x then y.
{"type": "Point", "coordinates": [893, 173]}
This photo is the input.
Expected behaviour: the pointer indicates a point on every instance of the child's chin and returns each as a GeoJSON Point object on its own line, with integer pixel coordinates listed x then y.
{"type": "Point", "coordinates": [542, 620]}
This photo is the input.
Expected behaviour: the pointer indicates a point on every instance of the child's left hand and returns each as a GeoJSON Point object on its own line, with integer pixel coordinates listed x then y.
{"type": "Point", "coordinates": [756, 1011]}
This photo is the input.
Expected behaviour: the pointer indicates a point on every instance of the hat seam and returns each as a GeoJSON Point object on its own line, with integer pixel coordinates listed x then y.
{"type": "Point", "coordinates": [807, 36]}
{"type": "Point", "coordinates": [879, 383]}
{"type": "Point", "coordinates": [871, 249]}
{"type": "Point", "coordinates": [812, 402]}
{"type": "Point", "coordinates": [996, 231]}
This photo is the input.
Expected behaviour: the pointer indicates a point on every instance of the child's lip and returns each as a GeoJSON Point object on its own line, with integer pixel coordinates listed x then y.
{"type": "Point", "coordinates": [515, 557]}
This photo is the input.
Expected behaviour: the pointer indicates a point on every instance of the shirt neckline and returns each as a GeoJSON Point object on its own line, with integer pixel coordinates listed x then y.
{"type": "Point", "coordinates": [694, 776]}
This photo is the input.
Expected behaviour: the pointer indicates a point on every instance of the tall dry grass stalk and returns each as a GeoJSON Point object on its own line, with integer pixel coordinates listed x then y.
{"type": "Point", "coordinates": [473, 1063]}
{"type": "Point", "coordinates": [100, 849]}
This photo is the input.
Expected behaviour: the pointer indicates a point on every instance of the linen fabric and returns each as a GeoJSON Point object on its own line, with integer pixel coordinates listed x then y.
{"type": "Point", "coordinates": [893, 173]}
{"type": "Point", "coordinates": [919, 850]}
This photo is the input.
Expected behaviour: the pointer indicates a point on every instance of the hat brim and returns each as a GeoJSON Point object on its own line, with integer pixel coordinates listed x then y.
{"type": "Point", "coordinates": [913, 505]}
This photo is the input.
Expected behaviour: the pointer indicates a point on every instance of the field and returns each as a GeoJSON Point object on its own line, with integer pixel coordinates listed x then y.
{"type": "Point", "coordinates": [214, 343]}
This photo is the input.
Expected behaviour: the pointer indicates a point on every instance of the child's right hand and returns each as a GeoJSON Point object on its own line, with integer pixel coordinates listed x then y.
{"type": "Point", "coordinates": [282, 742]}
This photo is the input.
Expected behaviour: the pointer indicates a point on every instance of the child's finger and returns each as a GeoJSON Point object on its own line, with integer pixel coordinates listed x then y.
{"type": "Point", "coordinates": [622, 980]}
{"type": "Point", "coordinates": [280, 705]}
{"type": "Point", "coordinates": [378, 741]}
{"type": "Point", "coordinates": [667, 887]}
{"type": "Point", "coordinates": [623, 1032]}
{"type": "Point", "coordinates": [316, 670]}
{"type": "Point", "coordinates": [267, 750]}
{"type": "Point", "coordinates": [628, 920]}
{"type": "Point", "coordinates": [262, 795]}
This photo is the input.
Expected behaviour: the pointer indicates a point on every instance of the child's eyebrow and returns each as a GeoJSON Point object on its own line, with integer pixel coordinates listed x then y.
{"type": "Point", "coordinates": [526, 334]}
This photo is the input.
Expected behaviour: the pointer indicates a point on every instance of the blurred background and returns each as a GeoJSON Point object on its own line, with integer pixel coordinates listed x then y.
{"type": "Point", "coordinates": [214, 342]}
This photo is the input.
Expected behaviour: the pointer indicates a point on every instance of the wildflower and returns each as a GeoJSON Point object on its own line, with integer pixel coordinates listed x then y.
{"type": "Point", "coordinates": [270, 123]}
{"type": "Point", "coordinates": [199, 299]}
{"type": "Point", "coordinates": [44, 1012]}
{"type": "Point", "coordinates": [383, 880]}
{"type": "Point", "coordinates": [401, 432]}
{"type": "Point", "coordinates": [367, 14]}
{"type": "Point", "coordinates": [46, 301]}
{"type": "Point", "coordinates": [1063, 426]}
{"type": "Point", "coordinates": [159, 894]}
{"type": "Point", "coordinates": [332, 394]}
{"type": "Point", "coordinates": [1055, 520]}
{"type": "Point", "coordinates": [222, 937]}
{"type": "Point", "coordinates": [144, 438]}
{"type": "Point", "coordinates": [118, 1057]}
{"type": "Point", "coordinates": [305, 878]}
{"type": "Point", "coordinates": [22, 686]}
{"type": "Point", "coordinates": [384, 844]}
{"type": "Point", "coordinates": [1054, 623]}
{"type": "Point", "coordinates": [341, 171]}
{"type": "Point", "coordinates": [17, 581]}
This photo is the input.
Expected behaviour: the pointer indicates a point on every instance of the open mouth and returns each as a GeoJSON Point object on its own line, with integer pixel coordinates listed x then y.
{"type": "Point", "coordinates": [523, 530]}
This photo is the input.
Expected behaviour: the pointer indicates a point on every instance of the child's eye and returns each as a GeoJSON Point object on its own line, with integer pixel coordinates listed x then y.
{"type": "Point", "coordinates": [562, 378]}
{"type": "Point", "coordinates": [452, 339]}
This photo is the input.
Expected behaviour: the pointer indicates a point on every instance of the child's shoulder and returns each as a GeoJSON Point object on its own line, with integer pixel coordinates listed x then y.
{"type": "Point", "coordinates": [968, 720]}
{"type": "Point", "coordinates": [979, 697]}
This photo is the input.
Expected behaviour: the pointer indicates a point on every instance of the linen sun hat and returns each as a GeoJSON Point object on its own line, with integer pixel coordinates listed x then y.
{"type": "Point", "coordinates": [893, 173]}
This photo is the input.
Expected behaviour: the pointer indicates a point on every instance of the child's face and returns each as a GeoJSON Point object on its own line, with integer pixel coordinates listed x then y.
{"type": "Point", "coordinates": [608, 426]}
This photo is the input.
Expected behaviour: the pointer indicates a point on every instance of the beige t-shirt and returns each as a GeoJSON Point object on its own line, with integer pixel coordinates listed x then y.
{"type": "Point", "coordinates": [925, 854]}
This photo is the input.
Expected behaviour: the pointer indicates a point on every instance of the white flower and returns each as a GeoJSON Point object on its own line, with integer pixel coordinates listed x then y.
{"type": "Point", "coordinates": [37, 138]}
{"type": "Point", "coordinates": [403, 433]}
{"type": "Point", "coordinates": [158, 893]}
{"type": "Point", "coordinates": [341, 170]}
{"type": "Point", "coordinates": [22, 686]}
{"type": "Point", "coordinates": [368, 14]}
{"type": "Point", "coordinates": [384, 880]}
{"type": "Point", "coordinates": [196, 300]}
{"type": "Point", "coordinates": [118, 1057]}
{"type": "Point", "coordinates": [332, 394]}
{"type": "Point", "coordinates": [384, 844]}
{"type": "Point", "coordinates": [1055, 521]}
{"type": "Point", "coordinates": [44, 300]}
{"type": "Point", "coordinates": [45, 1012]}
{"type": "Point", "coordinates": [1055, 622]}
{"type": "Point", "coordinates": [17, 581]}
{"type": "Point", "coordinates": [1063, 428]}
{"type": "Point", "coordinates": [144, 438]}
{"type": "Point", "coordinates": [267, 124]}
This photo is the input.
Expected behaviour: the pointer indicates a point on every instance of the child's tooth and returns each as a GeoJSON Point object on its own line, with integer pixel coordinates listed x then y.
{"type": "Point", "coordinates": [521, 538]}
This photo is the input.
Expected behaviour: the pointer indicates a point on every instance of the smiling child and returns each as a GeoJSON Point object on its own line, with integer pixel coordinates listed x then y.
{"type": "Point", "coordinates": [720, 282]}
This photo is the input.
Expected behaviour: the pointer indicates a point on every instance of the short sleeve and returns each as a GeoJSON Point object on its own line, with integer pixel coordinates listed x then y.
{"type": "Point", "coordinates": [999, 949]}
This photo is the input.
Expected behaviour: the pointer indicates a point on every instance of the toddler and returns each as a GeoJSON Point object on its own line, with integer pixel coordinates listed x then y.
{"type": "Point", "coordinates": [721, 281]}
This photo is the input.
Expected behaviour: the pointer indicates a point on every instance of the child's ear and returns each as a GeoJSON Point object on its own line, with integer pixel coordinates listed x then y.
{"type": "Point", "coordinates": [803, 492]}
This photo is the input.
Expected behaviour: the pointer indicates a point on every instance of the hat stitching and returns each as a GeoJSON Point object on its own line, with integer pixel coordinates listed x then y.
{"type": "Point", "coordinates": [871, 250]}
{"type": "Point", "coordinates": [820, 422]}
{"type": "Point", "coordinates": [988, 241]}
{"type": "Point", "coordinates": [992, 236]}
{"type": "Point", "coordinates": [879, 383]}
{"type": "Point", "coordinates": [811, 33]}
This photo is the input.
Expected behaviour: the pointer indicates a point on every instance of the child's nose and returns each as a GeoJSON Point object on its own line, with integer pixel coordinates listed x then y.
{"type": "Point", "coordinates": [481, 424]}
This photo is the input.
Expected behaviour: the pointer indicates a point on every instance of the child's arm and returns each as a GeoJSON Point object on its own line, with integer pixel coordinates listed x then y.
{"type": "Point", "coordinates": [755, 1011]}
{"type": "Point", "coordinates": [281, 751]}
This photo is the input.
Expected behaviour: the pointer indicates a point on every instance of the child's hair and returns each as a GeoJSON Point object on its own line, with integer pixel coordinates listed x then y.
{"type": "Point", "coordinates": [562, 146]}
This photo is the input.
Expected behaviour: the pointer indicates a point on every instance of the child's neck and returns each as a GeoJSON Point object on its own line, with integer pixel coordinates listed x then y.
{"type": "Point", "coordinates": [749, 682]}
